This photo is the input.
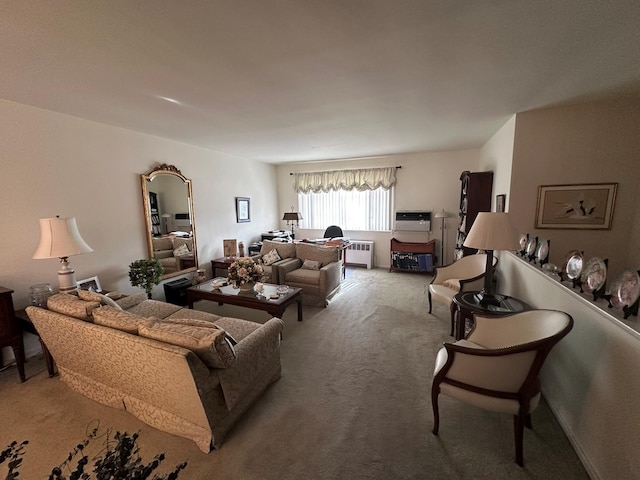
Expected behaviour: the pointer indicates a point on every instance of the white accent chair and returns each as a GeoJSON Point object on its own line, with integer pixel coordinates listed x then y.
{"type": "Point", "coordinates": [464, 275]}
{"type": "Point", "coordinates": [497, 366]}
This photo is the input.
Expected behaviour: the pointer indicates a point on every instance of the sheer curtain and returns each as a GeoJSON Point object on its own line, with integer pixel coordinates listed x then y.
{"type": "Point", "coordinates": [352, 199]}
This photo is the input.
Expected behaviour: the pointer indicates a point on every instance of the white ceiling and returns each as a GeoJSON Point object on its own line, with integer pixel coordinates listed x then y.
{"type": "Point", "coordinates": [295, 80]}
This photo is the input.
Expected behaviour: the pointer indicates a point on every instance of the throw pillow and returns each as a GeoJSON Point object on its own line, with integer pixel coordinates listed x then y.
{"type": "Point", "coordinates": [181, 250]}
{"type": "Point", "coordinates": [271, 257]}
{"type": "Point", "coordinates": [97, 297]}
{"type": "Point", "coordinates": [211, 345]}
{"type": "Point", "coordinates": [311, 265]}
{"type": "Point", "coordinates": [452, 283]}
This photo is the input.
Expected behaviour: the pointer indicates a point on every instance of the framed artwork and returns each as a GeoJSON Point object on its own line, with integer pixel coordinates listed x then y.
{"type": "Point", "coordinates": [583, 206]}
{"type": "Point", "coordinates": [230, 247]}
{"type": "Point", "coordinates": [90, 284]}
{"type": "Point", "coordinates": [243, 213]}
{"type": "Point", "coordinates": [501, 201]}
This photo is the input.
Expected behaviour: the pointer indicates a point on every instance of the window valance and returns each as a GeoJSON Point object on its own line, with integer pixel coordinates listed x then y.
{"type": "Point", "coordinates": [361, 180]}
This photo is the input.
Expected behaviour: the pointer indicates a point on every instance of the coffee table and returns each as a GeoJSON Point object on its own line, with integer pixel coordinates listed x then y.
{"type": "Point", "coordinates": [250, 299]}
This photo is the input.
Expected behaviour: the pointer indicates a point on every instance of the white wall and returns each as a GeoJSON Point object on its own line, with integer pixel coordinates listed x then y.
{"type": "Point", "coordinates": [426, 181]}
{"type": "Point", "coordinates": [585, 143]}
{"type": "Point", "coordinates": [591, 379]}
{"type": "Point", "coordinates": [54, 164]}
{"type": "Point", "coordinates": [497, 155]}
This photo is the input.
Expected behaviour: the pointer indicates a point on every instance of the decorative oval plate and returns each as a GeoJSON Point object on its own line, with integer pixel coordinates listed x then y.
{"type": "Point", "coordinates": [531, 246]}
{"type": "Point", "coordinates": [542, 252]}
{"type": "Point", "coordinates": [523, 241]}
{"type": "Point", "coordinates": [594, 275]}
{"type": "Point", "coordinates": [573, 264]}
{"type": "Point", "coordinates": [625, 289]}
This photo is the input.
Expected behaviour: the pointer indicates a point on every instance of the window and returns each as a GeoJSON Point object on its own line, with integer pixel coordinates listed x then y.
{"type": "Point", "coordinates": [352, 199]}
{"type": "Point", "coordinates": [351, 210]}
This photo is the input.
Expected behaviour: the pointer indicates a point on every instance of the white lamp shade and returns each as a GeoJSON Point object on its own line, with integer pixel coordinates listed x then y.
{"type": "Point", "coordinates": [59, 238]}
{"type": "Point", "coordinates": [492, 231]}
{"type": "Point", "coordinates": [442, 214]}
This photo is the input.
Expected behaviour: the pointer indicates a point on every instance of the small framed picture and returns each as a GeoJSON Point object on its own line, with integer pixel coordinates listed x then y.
{"type": "Point", "coordinates": [230, 247]}
{"type": "Point", "coordinates": [243, 213]}
{"type": "Point", "coordinates": [500, 202]}
{"type": "Point", "coordinates": [90, 284]}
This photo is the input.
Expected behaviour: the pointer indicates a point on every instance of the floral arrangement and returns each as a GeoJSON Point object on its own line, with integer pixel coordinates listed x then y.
{"type": "Point", "coordinates": [244, 271]}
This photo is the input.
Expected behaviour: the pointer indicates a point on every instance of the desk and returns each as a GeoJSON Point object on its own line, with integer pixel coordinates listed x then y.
{"type": "Point", "coordinates": [468, 304]}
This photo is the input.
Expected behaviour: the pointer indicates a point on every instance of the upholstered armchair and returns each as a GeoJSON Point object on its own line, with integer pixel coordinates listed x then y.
{"type": "Point", "coordinates": [170, 252]}
{"type": "Point", "coordinates": [463, 275]}
{"type": "Point", "coordinates": [270, 262]}
{"type": "Point", "coordinates": [497, 366]}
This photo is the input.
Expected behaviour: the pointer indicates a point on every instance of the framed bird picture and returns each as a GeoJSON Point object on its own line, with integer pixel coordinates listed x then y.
{"type": "Point", "coordinates": [583, 206]}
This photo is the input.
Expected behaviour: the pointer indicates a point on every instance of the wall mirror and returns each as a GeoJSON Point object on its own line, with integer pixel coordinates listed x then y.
{"type": "Point", "coordinates": [170, 221]}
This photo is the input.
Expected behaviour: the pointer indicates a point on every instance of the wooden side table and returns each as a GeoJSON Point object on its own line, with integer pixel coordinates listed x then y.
{"type": "Point", "coordinates": [222, 263]}
{"type": "Point", "coordinates": [26, 325]}
{"type": "Point", "coordinates": [468, 304]}
{"type": "Point", "coordinates": [10, 334]}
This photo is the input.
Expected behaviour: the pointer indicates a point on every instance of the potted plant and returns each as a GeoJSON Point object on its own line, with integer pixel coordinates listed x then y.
{"type": "Point", "coordinates": [146, 274]}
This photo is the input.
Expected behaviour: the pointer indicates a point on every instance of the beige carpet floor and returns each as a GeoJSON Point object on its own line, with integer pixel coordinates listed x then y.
{"type": "Point", "coordinates": [353, 403]}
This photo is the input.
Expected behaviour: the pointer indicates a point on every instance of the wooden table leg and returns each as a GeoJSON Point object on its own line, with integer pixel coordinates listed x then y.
{"type": "Point", "coordinates": [299, 309]}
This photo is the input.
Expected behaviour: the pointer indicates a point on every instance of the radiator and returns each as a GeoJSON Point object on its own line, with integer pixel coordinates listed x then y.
{"type": "Point", "coordinates": [360, 252]}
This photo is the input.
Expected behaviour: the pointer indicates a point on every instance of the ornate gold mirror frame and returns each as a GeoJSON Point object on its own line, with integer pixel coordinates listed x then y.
{"type": "Point", "coordinates": [169, 216]}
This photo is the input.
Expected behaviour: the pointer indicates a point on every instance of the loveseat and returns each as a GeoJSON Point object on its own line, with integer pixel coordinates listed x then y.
{"type": "Point", "coordinates": [172, 252]}
{"type": "Point", "coordinates": [186, 372]}
{"type": "Point", "coordinates": [316, 269]}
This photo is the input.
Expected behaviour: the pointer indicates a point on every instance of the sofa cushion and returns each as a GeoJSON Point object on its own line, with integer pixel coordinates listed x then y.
{"type": "Point", "coordinates": [210, 344]}
{"type": "Point", "coordinates": [71, 305]}
{"type": "Point", "coordinates": [119, 319]}
{"type": "Point", "coordinates": [271, 257]}
{"type": "Point", "coordinates": [196, 322]}
{"type": "Point", "coordinates": [154, 308]}
{"type": "Point", "coordinates": [131, 300]}
{"type": "Point", "coordinates": [325, 255]}
{"type": "Point", "coordinates": [304, 276]}
{"type": "Point", "coordinates": [194, 314]}
{"type": "Point", "coordinates": [311, 265]}
{"type": "Point", "coordinates": [284, 249]}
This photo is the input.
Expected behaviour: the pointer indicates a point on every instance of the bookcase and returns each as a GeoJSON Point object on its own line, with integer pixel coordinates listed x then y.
{"type": "Point", "coordinates": [412, 256]}
{"type": "Point", "coordinates": [156, 228]}
{"type": "Point", "coordinates": [475, 196]}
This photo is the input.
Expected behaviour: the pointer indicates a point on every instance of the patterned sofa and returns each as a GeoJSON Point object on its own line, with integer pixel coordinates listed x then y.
{"type": "Point", "coordinates": [186, 372]}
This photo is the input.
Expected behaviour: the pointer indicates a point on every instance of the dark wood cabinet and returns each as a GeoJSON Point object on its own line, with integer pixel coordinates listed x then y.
{"type": "Point", "coordinates": [10, 333]}
{"type": "Point", "coordinates": [475, 197]}
{"type": "Point", "coordinates": [412, 256]}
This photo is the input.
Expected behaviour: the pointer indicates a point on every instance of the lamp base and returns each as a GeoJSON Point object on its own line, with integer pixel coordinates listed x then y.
{"type": "Point", "coordinates": [486, 298]}
{"type": "Point", "coordinates": [66, 277]}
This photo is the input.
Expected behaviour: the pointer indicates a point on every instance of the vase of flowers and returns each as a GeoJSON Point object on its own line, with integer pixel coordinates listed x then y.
{"type": "Point", "coordinates": [244, 273]}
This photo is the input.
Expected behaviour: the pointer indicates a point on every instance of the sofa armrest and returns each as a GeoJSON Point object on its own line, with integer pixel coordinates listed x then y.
{"type": "Point", "coordinates": [330, 276]}
{"type": "Point", "coordinates": [253, 353]}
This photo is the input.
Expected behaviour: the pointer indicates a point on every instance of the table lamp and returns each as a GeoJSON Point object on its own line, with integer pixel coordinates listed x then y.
{"type": "Point", "coordinates": [291, 217]}
{"type": "Point", "coordinates": [491, 231]}
{"type": "Point", "coordinates": [443, 215]}
{"type": "Point", "coordinates": [60, 238]}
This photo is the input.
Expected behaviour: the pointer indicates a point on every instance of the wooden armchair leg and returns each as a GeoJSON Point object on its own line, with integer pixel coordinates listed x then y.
{"type": "Point", "coordinates": [429, 295]}
{"type": "Point", "coordinates": [436, 413]}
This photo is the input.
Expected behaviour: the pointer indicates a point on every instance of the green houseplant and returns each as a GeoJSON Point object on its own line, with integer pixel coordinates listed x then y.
{"type": "Point", "coordinates": [146, 274]}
